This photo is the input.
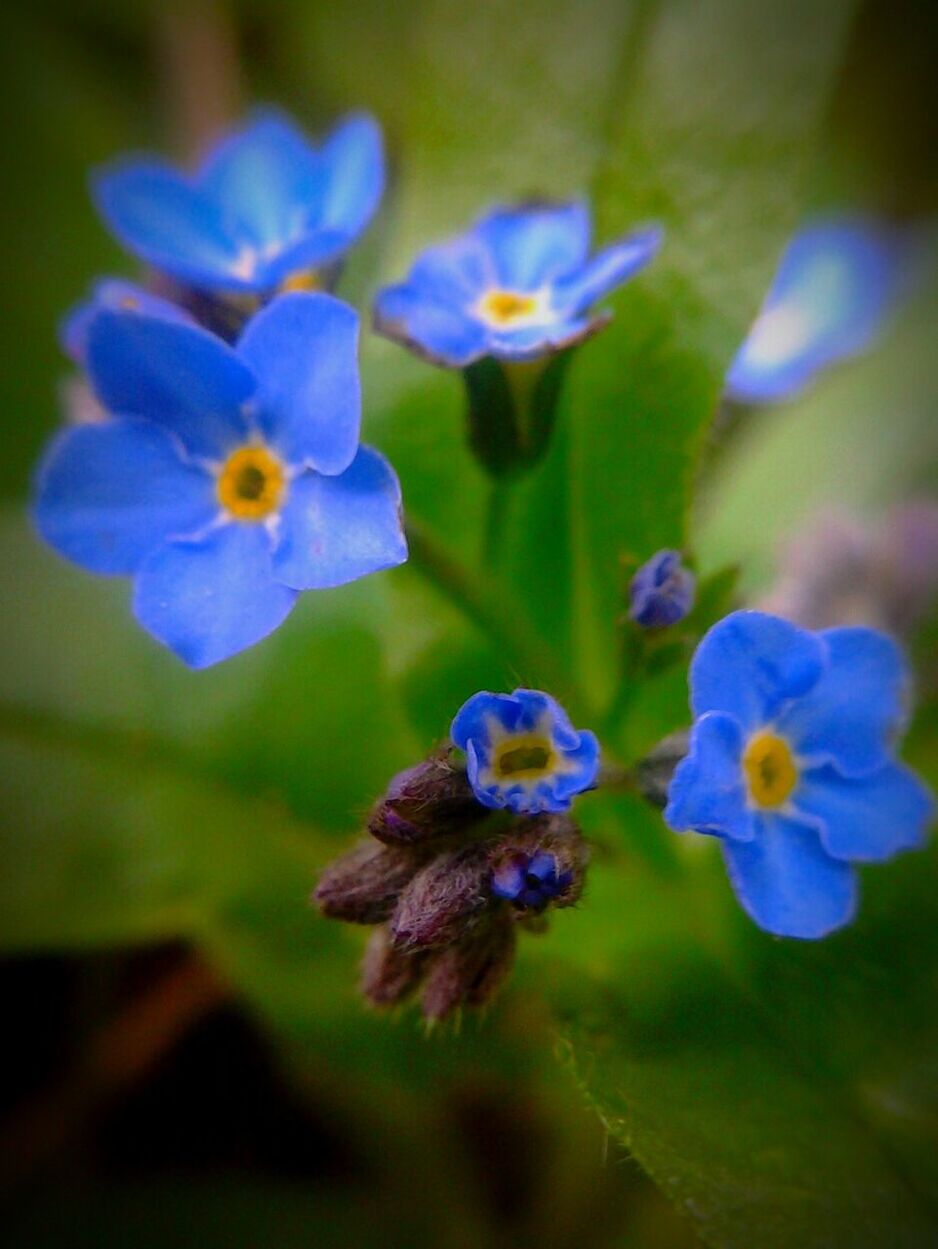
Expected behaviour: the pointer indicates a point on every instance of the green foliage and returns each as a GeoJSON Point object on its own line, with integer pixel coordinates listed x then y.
{"type": "Point", "coordinates": [780, 1094]}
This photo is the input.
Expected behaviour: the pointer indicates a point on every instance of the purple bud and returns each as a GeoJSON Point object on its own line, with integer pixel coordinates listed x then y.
{"type": "Point", "coordinates": [444, 899]}
{"type": "Point", "coordinates": [363, 886]}
{"type": "Point", "coordinates": [388, 974]}
{"type": "Point", "coordinates": [662, 591]}
{"type": "Point", "coordinates": [433, 799]}
{"type": "Point", "coordinates": [469, 972]}
{"type": "Point", "coordinates": [538, 862]}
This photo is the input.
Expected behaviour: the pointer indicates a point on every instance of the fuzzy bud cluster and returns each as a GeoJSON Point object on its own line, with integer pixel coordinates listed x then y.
{"type": "Point", "coordinates": [446, 883]}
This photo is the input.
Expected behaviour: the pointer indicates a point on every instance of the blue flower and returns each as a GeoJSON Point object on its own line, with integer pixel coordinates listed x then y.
{"type": "Point", "coordinates": [523, 753]}
{"type": "Point", "coordinates": [837, 282]}
{"type": "Point", "coordinates": [264, 210]}
{"type": "Point", "coordinates": [116, 295]}
{"type": "Point", "coordinates": [790, 763]}
{"type": "Point", "coordinates": [226, 480]}
{"type": "Point", "coordinates": [517, 286]}
{"type": "Point", "coordinates": [662, 591]}
{"type": "Point", "coordinates": [530, 882]}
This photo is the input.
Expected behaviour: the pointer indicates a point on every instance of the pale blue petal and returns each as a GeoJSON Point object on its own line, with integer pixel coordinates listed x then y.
{"type": "Point", "coordinates": [353, 161]}
{"type": "Point", "coordinates": [164, 220]}
{"type": "Point", "coordinates": [851, 714]}
{"type": "Point", "coordinates": [534, 245]}
{"type": "Point", "coordinates": [314, 250]}
{"type": "Point", "coordinates": [337, 529]}
{"type": "Point", "coordinates": [749, 664]}
{"type": "Point", "coordinates": [786, 882]}
{"type": "Point", "coordinates": [455, 273]}
{"type": "Point", "coordinates": [607, 270]}
{"type": "Point", "coordinates": [531, 341]}
{"type": "Point", "coordinates": [208, 599]}
{"type": "Point", "coordinates": [179, 376]}
{"type": "Point", "coordinates": [108, 494]}
{"type": "Point", "coordinates": [444, 335]}
{"type": "Point", "coordinates": [868, 818]}
{"type": "Point", "coordinates": [303, 349]}
{"type": "Point", "coordinates": [707, 793]}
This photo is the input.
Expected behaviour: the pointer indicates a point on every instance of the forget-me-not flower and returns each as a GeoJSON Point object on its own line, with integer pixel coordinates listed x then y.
{"type": "Point", "coordinates": [530, 881]}
{"type": "Point", "coordinates": [265, 210]}
{"type": "Point", "coordinates": [662, 591]}
{"type": "Point", "coordinates": [836, 284]}
{"type": "Point", "coordinates": [791, 765]}
{"type": "Point", "coordinates": [523, 753]}
{"type": "Point", "coordinates": [518, 285]}
{"type": "Point", "coordinates": [226, 479]}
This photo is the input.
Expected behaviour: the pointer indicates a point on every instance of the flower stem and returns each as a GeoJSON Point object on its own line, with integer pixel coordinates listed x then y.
{"type": "Point", "coordinates": [496, 523]}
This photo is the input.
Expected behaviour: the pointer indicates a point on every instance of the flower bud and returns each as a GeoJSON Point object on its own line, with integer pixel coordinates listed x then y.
{"type": "Point", "coordinates": [539, 862]}
{"type": "Point", "coordinates": [388, 974]}
{"type": "Point", "coordinates": [432, 799]}
{"type": "Point", "coordinates": [653, 774]}
{"type": "Point", "coordinates": [662, 591]}
{"type": "Point", "coordinates": [469, 972]}
{"type": "Point", "coordinates": [444, 899]}
{"type": "Point", "coordinates": [362, 887]}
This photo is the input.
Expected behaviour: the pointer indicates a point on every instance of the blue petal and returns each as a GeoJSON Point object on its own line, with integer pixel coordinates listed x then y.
{"type": "Point", "coordinates": [164, 220]}
{"type": "Point", "coordinates": [706, 792]}
{"type": "Point", "coordinates": [471, 720]}
{"type": "Point", "coordinates": [179, 376]}
{"type": "Point", "coordinates": [535, 245]}
{"type": "Point", "coordinates": [531, 341]}
{"type": "Point", "coordinates": [543, 865]}
{"type": "Point", "coordinates": [508, 880]}
{"type": "Point", "coordinates": [455, 273]}
{"type": "Point", "coordinates": [787, 883]}
{"type": "Point", "coordinates": [353, 160]}
{"type": "Point", "coordinates": [268, 179]}
{"type": "Point", "coordinates": [476, 759]}
{"type": "Point", "coordinates": [531, 708]}
{"type": "Point", "coordinates": [870, 818]}
{"type": "Point", "coordinates": [851, 714]}
{"type": "Point", "coordinates": [109, 494]}
{"type": "Point", "coordinates": [585, 760]}
{"type": "Point", "coordinates": [749, 664]}
{"type": "Point", "coordinates": [118, 296]}
{"type": "Point", "coordinates": [443, 334]}
{"type": "Point", "coordinates": [208, 599]}
{"type": "Point", "coordinates": [336, 529]}
{"type": "Point", "coordinates": [313, 251]}
{"type": "Point", "coordinates": [607, 270]}
{"type": "Point", "coordinates": [303, 349]}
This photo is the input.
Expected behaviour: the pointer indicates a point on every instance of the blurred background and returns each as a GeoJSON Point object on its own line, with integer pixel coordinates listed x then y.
{"type": "Point", "coordinates": [184, 1073]}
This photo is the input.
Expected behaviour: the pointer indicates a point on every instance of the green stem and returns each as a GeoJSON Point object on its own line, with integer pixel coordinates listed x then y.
{"type": "Point", "coordinates": [496, 523]}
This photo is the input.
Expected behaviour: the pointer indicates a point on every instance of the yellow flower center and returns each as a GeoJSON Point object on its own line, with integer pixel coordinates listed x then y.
{"type": "Point", "coordinates": [302, 280]}
{"type": "Point", "coordinates": [770, 769]}
{"type": "Point", "coordinates": [251, 483]}
{"type": "Point", "coordinates": [504, 307]}
{"type": "Point", "coordinates": [524, 756]}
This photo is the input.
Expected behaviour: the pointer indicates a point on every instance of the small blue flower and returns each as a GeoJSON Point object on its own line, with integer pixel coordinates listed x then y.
{"type": "Point", "coordinates": [226, 479]}
{"type": "Point", "coordinates": [837, 282]}
{"type": "Point", "coordinates": [523, 753]}
{"type": "Point", "coordinates": [518, 285]}
{"type": "Point", "coordinates": [264, 210]}
{"type": "Point", "coordinates": [115, 295]}
{"type": "Point", "coordinates": [790, 764]}
{"type": "Point", "coordinates": [662, 591]}
{"type": "Point", "coordinates": [530, 882]}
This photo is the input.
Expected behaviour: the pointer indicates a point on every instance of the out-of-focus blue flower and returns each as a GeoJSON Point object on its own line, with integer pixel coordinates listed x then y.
{"type": "Point", "coordinates": [790, 764]}
{"type": "Point", "coordinates": [516, 286]}
{"type": "Point", "coordinates": [115, 295]}
{"type": "Point", "coordinates": [226, 480]}
{"type": "Point", "coordinates": [662, 591]}
{"type": "Point", "coordinates": [837, 282]}
{"type": "Point", "coordinates": [523, 753]}
{"type": "Point", "coordinates": [265, 209]}
{"type": "Point", "coordinates": [530, 882]}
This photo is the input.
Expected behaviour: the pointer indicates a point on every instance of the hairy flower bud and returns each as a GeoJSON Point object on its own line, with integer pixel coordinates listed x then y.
{"type": "Point", "coordinates": [540, 861]}
{"type": "Point", "coordinates": [433, 799]}
{"type": "Point", "coordinates": [363, 886]}
{"type": "Point", "coordinates": [444, 899]}
{"type": "Point", "coordinates": [469, 972]}
{"type": "Point", "coordinates": [388, 975]}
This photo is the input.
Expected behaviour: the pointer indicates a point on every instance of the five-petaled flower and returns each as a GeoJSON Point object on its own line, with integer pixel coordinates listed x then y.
{"type": "Point", "coordinates": [226, 479]}
{"type": "Point", "coordinates": [523, 753]}
{"type": "Point", "coordinates": [662, 591]}
{"type": "Point", "coordinates": [790, 764]}
{"type": "Point", "coordinates": [518, 285]}
{"type": "Point", "coordinates": [837, 282]}
{"type": "Point", "coordinates": [263, 213]}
